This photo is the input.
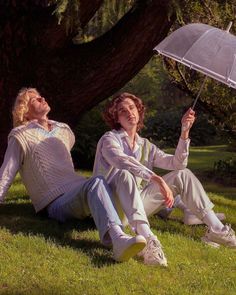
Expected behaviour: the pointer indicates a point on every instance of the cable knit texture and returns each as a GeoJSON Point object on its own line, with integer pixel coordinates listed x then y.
{"type": "Point", "coordinates": [47, 170]}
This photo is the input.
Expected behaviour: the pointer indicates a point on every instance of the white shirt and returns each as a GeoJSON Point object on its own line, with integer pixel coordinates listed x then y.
{"type": "Point", "coordinates": [114, 153]}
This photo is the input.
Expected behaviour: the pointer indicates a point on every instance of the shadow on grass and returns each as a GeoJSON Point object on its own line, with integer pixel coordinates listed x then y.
{"type": "Point", "coordinates": [21, 218]}
{"type": "Point", "coordinates": [175, 226]}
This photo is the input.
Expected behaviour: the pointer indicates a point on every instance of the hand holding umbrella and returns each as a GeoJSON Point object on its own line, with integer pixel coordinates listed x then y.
{"type": "Point", "coordinates": [187, 122]}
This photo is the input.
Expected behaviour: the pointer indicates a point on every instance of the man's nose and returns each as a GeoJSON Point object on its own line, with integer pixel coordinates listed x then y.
{"type": "Point", "coordinates": [128, 112]}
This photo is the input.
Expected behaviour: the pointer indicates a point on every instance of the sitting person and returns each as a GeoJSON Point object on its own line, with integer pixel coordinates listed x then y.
{"type": "Point", "coordinates": [39, 149]}
{"type": "Point", "coordinates": [126, 160]}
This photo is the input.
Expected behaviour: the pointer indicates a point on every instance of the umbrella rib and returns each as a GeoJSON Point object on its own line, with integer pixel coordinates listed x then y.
{"type": "Point", "coordinates": [212, 74]}
{"type": "Point", "coordinates": [228, 78]}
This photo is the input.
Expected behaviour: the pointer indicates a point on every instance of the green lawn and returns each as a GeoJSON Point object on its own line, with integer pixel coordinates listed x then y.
{"type": "Point", "coordinates": [41, 256]}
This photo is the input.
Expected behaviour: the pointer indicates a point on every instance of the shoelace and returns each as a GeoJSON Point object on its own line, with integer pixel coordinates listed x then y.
{"type": "Point", "coordinates": [156, 247]}
{"type": "Point", "coordinates": [230, 232]}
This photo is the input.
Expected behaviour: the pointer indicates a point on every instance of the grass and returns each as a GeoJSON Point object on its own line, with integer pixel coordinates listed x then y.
{"type": "Point", "coordinates": [41, 256]}
{"type": "Point", "coordinates": [202, 158]}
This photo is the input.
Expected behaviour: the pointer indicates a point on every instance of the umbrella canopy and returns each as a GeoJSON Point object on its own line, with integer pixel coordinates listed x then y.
{"type": "Point", "coordinates": [204, 48]}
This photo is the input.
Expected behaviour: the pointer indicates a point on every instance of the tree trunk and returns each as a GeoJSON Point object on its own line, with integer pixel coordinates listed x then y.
{"type": "Point", "coordinates": [35, 51]}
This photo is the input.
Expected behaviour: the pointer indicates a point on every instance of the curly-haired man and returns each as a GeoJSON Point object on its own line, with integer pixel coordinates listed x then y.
{"type": "Point", "coordinates": [126, 160]}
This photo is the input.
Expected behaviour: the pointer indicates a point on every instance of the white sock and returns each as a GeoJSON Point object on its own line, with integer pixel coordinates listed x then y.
{"type": "Point", "coordinates": [211, 220]}
{"type": "Point", "coordinates": [143, 229]}
{"type": "Point", "coordinates": [115, 232]}
{"type": "Point", "coordinates": [180, 204]}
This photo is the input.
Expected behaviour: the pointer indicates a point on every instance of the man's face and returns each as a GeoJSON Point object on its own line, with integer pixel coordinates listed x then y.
{"type": "Point", "coordinates": [37, 106]}
{"type": "Point", "coordinates": [127, 113]}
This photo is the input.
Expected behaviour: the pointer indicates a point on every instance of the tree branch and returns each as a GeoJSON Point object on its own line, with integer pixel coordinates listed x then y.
{"type": "Point", "coordinates": [95, 70]}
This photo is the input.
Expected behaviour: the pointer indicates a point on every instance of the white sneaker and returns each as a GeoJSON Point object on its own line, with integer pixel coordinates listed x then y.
{"type": "Point", "coordinates": [152, 253]}
{"type": "Point", "coordinates": [191, 219]}
{"type": "Point", "coordinates": [224, 237]}
{"type": "Point", "coordinates": [126, 247]}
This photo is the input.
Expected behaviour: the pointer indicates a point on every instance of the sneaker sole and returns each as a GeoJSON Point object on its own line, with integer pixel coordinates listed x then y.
{"type": "Point", "coordinates": [131, 251]}
{"type": "Point", "coordinates": [210, 243]}
{"type": "Point", "coordinates": [164, 264]}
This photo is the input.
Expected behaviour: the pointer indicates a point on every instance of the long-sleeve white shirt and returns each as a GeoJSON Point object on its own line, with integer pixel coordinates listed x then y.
{"type": "Point", "coordinates": [114, 153]}
{"type": "Point", "coordinates": [12, 160]}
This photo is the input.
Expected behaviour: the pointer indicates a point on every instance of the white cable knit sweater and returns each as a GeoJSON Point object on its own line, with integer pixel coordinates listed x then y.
{"type": "Point", "coordinates": [47, 170]}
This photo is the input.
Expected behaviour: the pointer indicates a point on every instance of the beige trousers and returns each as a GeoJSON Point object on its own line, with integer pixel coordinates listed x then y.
{"type": "Point", "coordinates": [134, 205]}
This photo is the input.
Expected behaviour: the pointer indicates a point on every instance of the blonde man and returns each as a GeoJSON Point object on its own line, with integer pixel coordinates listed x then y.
{"type": "Point", "coordinates": [126, 160]}
{"type": "Point", "coordinates": [39, 149]}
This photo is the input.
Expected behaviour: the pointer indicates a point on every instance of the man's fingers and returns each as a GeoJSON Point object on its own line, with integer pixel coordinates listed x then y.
{"type": "Point", "coordinates": [169, 202]}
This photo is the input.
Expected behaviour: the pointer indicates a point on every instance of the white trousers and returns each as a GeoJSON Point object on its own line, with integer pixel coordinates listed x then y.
{"type": "Point", "coordinates": [134, 205]}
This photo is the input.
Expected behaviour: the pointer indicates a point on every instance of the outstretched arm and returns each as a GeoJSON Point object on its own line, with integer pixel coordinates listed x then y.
{"type": "Point", "coordinates": [12, 161]}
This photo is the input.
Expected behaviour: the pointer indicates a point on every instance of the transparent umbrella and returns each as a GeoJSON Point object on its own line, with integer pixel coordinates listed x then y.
{"type": "Point", "coordinates": [207, 49]}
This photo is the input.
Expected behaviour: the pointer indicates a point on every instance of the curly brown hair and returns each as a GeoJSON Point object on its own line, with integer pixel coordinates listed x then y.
{"type": "Point", "coordinates": [110, 114]}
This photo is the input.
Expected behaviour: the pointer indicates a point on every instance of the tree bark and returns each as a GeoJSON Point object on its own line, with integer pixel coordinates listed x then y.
{"type": "Point", "coordinates": [95, 70]}
{"type": "Point", "coordinates": [36, 51]}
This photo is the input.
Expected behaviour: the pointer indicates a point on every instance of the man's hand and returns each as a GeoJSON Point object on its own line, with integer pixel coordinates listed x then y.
{"type": "Point", "coordinates": [187, 122]}
{"type": "Point", "coordinates": [164, 189]}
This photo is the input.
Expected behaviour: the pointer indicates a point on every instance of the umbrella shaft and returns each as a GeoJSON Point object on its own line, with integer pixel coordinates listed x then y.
{"type": "Point", "coordinates": [199, 92]}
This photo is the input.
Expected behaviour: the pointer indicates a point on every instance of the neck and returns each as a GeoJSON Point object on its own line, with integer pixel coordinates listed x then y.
{"type": "Point", "coordinates": [44, 122]}
{"type": "Point", "coordinates": [131, 133]}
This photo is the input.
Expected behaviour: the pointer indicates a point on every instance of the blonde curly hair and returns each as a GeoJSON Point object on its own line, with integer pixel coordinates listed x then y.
{"type": "Point", "coordinates": [21, 106]}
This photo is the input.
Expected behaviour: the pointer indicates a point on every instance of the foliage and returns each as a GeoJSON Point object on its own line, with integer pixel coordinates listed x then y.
{"type": "Point", "coordinates": [164, 128]}
{"type": "Point", "coordinates": [67, 11]}
{"type": "Point", "coordinates": [232, 145]}
{"type": "Point", "coordinates": [89, 130]}
{"type": "Point", "coordinates": [225, 171]}
{"type": "Point", "coordinates": [105, 18]}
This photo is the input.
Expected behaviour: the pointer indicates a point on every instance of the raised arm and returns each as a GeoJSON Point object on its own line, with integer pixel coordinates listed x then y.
{"type": "Point", "coordinates": [177, 161]}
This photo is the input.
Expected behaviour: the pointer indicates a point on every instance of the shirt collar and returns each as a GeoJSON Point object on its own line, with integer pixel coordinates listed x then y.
{"type": "Point", "coordinates": [122, 133]}
{"type": "Point", "coordinates": [51, 122]}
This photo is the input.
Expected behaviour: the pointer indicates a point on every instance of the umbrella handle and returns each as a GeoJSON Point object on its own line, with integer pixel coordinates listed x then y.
{"type": "Point", "coordinates": [199, 92]}
{"type": "Point", "coordinates": [186, 125]}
